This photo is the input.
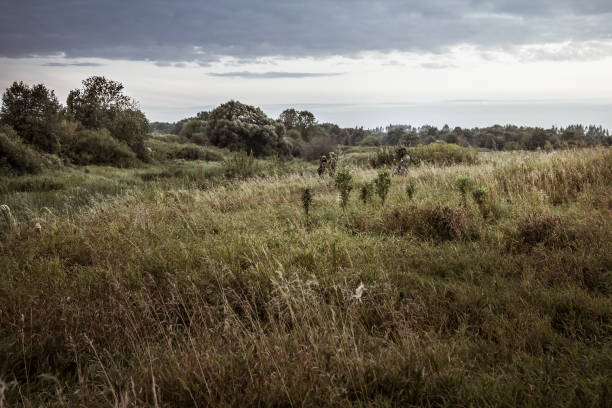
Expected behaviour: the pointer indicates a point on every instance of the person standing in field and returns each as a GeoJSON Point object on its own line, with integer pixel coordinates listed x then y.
{"type": "Point", "coordinates": [331, 165]}
{"type": "Point", "coordinates": [403, 164]}
{"type": "Point", "coordinates": [322, 166]}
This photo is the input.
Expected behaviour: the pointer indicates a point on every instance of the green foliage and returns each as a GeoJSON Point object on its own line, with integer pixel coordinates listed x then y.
{"type": "Point", "coordinates": [99, 147]}
{"type": "Point", "coordinates": [17, 157]}
{"type": "Point", "coordinates": [382, 183]}
{"type": "Point", "coordinates": [344, 183]}
{"type": "Point", "coordinates": [440, 153]}
{"type": "Point", "coordinates": [479, 195]}
{"type": "Point", "coordinates": [101, 104]}
{"type": "Point", "coordinates": [306, 199]}
{"type": "Point", "coordinates": [365, 193]}
{"type": "Point", "coordinates": [241, 165]}
{"type": "Point", "coordinates": [96, 105]}
{"type": "Point", "coordinates": [130, 126]}
{"type": "Point", "coordinates": [301, 121]}
{"type": "Point", "coordinates": [33, 113]}
{"type": "Point", "coordinates": [195, 130]}
{"type": "Point", "coordinates": [172, 148]}
{"type": "Point", "coordinates": [244, 127]}
{"type": "Point", "coordinates": [410, 189]}
{"type": "Point", "coordinates": [464, 185]}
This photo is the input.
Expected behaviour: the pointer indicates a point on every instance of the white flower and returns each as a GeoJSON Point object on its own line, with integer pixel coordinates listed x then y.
{"type": "Point", "coordinates": [359, 291]}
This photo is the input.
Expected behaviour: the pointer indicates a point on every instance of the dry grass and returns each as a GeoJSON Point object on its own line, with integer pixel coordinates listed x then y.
{"type": "Point", "coordinates": [170, 295]}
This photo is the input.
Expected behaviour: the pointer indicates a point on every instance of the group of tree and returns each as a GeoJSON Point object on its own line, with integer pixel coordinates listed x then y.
{"type": "Point", "coordinates": [101, 125]}
{"type": "Point", "coordinates": [497, 137]}
{"type": "Point", "coordinates": [98, 125]}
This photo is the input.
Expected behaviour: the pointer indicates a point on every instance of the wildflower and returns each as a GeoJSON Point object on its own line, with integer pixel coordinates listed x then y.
{"type": "Point", "coordinates": [359, 291]}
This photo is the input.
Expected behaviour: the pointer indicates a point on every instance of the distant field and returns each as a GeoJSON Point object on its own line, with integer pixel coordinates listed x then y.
{"type": "Point", "coordinates": [199, 281]}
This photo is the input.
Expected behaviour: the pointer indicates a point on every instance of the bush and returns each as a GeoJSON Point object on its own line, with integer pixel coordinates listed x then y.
{"type": "Point", "coordinates": [317, 147]}
{"type": "Point", "coordinates": [365, 194]}
{"type": "Point", "coordinates": [539, 229]}
{"type": "Point", "coordinates": [99, 147]}
{"type": "Point", "coordinates": [435, 221]}
{"type": "Point", "coordinates": [242, 166]}
{"type": "Point", "coordinates": [17, 157]}
{"type": "Point", "coordinates": [383, 183]}
{"type": "Point", "coordinates": [439, 153]}
{"type": "Point", "coordinates": [344, 183]}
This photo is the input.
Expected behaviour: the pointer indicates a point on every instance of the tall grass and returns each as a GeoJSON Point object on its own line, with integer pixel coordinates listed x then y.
{"type": "Point", "coordinates": [172, 295]}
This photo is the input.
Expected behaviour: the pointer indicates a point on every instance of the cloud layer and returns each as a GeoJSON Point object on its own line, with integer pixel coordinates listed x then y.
{"type": "Point", "coordinates": [197, 31]}
{"type": "Point", "coordinates": [272, 75]}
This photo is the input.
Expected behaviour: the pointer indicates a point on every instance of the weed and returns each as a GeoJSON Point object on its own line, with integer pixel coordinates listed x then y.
{"type": "Point", "coordinates": [463, 184]}
{"type": "Point", "coordinates": [382, 183]}
{"type": "Point", "coordinates": [306, 200]}
{"type": "Point", "coordinates": [479, 195]}
{"type": "Point", "coordinates": [344, 183]}
{"type": "Point", "coordinates": [365, 193]}
{"type": "Point", "coordinates": [410, 189]}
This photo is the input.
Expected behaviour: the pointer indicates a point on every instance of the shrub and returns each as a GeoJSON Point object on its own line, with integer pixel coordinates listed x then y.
{"type": "Point", "coordinates": [439, 153]}
{"type": "Point", "coordinates": [344, 183]}
{"type": "Point", "coordinates": [410, 189]}
{"type": "Point", "coordinates": [317, 147]}
{"type": "Point", "coordinates": [99, 147]}
{"type": "Point", "coordinates": [17, 157]}
{"type": "Point", "coordinates": [33, 112]}
{"type": "Point", "coordinates": [383, 183]}
{"type": "Point", "coordinates": [366, 192]}
{"type": "Point", "coordinates": [306, 199]}
{"type": "Point", "coordinates": [479, 195]}
{"type": "Point", "coordinates": [539, 229]}
{"type": "Point", "coordinates": [463, 184]}
{"type": "Point", "coordinates": [242, 166]}
{"type": "Point", "coordinates": [430, 221]}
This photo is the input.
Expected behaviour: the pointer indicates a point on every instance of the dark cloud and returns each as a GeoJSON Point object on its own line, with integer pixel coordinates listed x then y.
{"type": "Point", "coordinates": [72, 64]}
{"type": "Point", "coordinates": [272, 75]}
{"type": "Point", "coordinates": [201, 31]}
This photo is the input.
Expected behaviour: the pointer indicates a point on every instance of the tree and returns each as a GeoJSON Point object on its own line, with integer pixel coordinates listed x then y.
{"type": "Point", "coordinates": [33, 112]}
{"type": "Point", "coordinates": [244, 127]}
{"type": "Point", "coordinates": [302, 120]}
{"type": "Point", "coordinates": [101, 104]}
{"type": "Point", "coordinates": [98, 102]}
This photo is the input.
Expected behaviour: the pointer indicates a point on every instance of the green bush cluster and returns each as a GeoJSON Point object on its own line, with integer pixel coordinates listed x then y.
{"type": "Point", "coordinates": [439, 153]}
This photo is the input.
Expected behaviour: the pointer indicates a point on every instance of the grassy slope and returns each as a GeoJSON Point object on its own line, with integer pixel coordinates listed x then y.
{"type": "Point", "coordinates": [178, 296]}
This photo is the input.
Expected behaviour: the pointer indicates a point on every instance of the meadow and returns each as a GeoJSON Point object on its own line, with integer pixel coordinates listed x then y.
{"type": "Point", "coordinates": [203, 283]}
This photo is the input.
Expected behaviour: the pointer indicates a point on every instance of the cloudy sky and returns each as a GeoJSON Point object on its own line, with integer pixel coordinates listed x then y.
{"type": "Point", "coordinates": [370, 63]}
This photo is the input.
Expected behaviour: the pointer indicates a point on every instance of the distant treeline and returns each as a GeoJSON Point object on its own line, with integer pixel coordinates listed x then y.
{"type": "Point", "coordinates": [303, 129]}
{"type": "Point", "coordinates": [101, 125]}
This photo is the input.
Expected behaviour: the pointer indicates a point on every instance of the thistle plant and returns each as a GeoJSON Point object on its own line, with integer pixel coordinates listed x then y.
{"type": "Point", "coordinates": [382, 183]}
{"type": "Point", "coordinates": [344, 183]}
{"type": "Point", "coordinates": [410, 189]}
{"type": "Point", "coordinates": [306, 199]}
{"type": "Point", "coordinates": [479, 195]}
{"type": "Point", "coordinates": [365, 194]}
{"type": "Point", "coordinates": [464, 185]}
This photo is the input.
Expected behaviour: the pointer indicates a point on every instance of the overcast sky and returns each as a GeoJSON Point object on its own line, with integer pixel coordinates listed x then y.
{"type": "Point", "coordinates": [462, 62]}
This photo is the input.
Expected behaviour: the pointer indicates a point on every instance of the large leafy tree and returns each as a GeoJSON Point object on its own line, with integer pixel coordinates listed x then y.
{"type": "Point", "coordinates": [101, 104]}
{"type": "Point", "coordinates": [245, 127]}
{"type": "Point", "coordinates": [34, 113]}
{"type": "Point", "coordinates": [302, 120]}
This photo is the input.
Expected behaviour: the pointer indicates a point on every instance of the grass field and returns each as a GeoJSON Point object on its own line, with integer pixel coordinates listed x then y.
{"type": "Point", "coordinates": [203, 284]}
